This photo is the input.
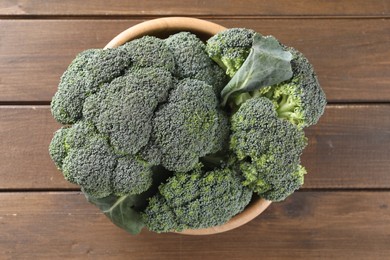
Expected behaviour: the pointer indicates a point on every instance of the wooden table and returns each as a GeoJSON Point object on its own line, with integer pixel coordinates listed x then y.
{"type": "Point", "coordinates": [343, 210]}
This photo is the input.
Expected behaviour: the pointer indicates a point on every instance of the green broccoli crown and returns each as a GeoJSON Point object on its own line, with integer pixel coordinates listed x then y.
{"type": "Point", "coordinates": [124, 109]}
{"type": "Point", "coordinates": [87, 73]}
{"type": "Point", "coordinates": [192, 60]}
{"type": "Point", "coordinates": [150, 51]}
{"type": "Point", "coordinates": [230, 48]}
{"type": "Point", "coordinates": [130, 112]}
{"type": "Point", "coordinates": [91, 167]}
{"type": "Point", "coordinates": [57, 148]}
{"type": "Point", "coordinates": [144, 121]}
{"type": "Point", "coordinates": [87, 159]}
{"type": "Point", "coordinates": [189, 54]}
{"type": "Point", "coordinates": [188, 125]}
{"type": "Point", "coordinates": [301, 99]}
{"type": "Point", "coordinates": [196, 200]}
{"type": "Point", "coordinates": [267, 148]}
{"type": "Point", "coordinates": [284, 187]}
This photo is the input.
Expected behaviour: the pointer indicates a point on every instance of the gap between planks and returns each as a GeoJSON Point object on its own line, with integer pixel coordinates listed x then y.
{"type": "Point", "coordinates": [220, 17]}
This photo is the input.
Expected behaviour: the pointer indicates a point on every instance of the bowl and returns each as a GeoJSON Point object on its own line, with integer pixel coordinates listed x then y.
{"type": "Point", "coordinates": [162, 28]}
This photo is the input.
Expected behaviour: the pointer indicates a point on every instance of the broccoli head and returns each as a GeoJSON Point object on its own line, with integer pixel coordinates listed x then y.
{"type": "Point", "coordinates": [130, 113]}
{"type": "Point", "coordinates": [196, 200]}
{"type": "Point", "coordinates": [230, 48]}
{"type": "Point", "coordinates": [57, 148]}
{"type": "Point", "coordinates": [189, 54]}
{"type": "Point", "coordinates": [193, 62]}
{"type": "Point", "coordinates": [189, 125]}
{"type": "Point", "coordinates": [267, 149]}
{"type": "Point", "coordinates": [124, 109]}
{"type": "Point", "coordinates": [87, 73]}
{"type": "Point", "coordinates": [150, 51]}
{"type": "Point", "coordinates": [146, 137]}
{"type": "Point", "coordinates": [87, 159]}
{"type": "Point", "coordinates": [301, 99]}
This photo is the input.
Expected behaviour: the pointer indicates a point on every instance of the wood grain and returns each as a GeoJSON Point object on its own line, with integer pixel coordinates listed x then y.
{"type": "Point", "coordinates": [203, 8]}
{"type": "Point", "coordinates": [308, 225]}
{"type": "Point", "coordinates": [347, 149]}
{"type": "Point", "coordinates": [25, 133]}
{"type": "Point", "coordinates": [44, 217]}
{"type": "Point", "coordinates": [352, 65]}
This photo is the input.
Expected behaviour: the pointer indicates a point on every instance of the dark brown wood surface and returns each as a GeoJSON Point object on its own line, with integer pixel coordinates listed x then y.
{"type": "Point", "coordinates": [346, 149]}
{"type": "Point", "coordinates": [343, 210]}
{"type": "Point", "coordinates": [352, 64]}
{"type": "Point", "coordinates": [308, 225]}
{"type": "Point", "coordinates": [199, 8]}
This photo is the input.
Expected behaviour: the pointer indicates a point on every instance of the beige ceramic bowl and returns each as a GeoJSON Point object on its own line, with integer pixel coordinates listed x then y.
{"type": "Point", "coordinates": [162, 28]}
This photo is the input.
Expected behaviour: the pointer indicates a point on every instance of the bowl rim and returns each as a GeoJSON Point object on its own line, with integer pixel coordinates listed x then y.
{"type": "Point", "coordinates": [194, 25]}
{"type": "Point", "coordinates": [165, 24]}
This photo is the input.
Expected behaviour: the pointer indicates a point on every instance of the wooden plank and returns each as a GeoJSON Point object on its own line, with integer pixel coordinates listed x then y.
{"type": "Point", "coordinates": [25, 162]}
{"type": "Point", "coordinates": [347, 149]}
{"type": "Point", "coordinates": [351, 63]}
{"type": "Point", "coordinates": [187, 7]}
{"type": "Point", "coordinates": [308, 225]}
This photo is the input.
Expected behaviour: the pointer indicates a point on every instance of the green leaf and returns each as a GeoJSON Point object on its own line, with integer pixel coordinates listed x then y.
{"type": "Point", "coordinates": [122, 211]}
{"type": "Point", "coordinates": [267, 64]}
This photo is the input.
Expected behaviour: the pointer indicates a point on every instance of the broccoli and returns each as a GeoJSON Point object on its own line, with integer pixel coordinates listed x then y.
{"type": "Point", "coordinates": [267, 149]}
{"type": "Point", "coordinates": [130, 113]}
{"type": "Point", "coordinates": [297, 95]}
{"type": "Point", "coordinates": [196, 200]}
{"type": "Point", "coordinates": [87, 159]}
{"type": "Point", "coordinates": [149, 138]}
{"type": "Point", "coordinates": [91, 167]}
{"type": "Point", "coordinates": [193, 62]}
{"type": "Point", "coordinates": [189, 125]}
{"type": "Point", "coordinates": [301, 99]}
{"type": "Point", "coordinates": [132, 175]}
{"type": "Point", "coordinates": [230, 48]}
{"type": "Point", "coordinates": [124, 109]}
{"type": "Point", "coordinates": [87, 73]}
{"type": "Point", "coordinates": [150, 51]}
{"type": "Point", "coordinates": [57, 148]}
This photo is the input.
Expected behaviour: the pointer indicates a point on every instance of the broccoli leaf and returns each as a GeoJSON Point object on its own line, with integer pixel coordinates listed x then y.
{"type": "Point", "coordinates": [121, 210]}
{"type": "Point", "coordinates": [267, 64]}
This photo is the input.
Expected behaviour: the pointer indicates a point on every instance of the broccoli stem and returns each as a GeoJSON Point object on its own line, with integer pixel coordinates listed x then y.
{"type": "Point", "coordinates": [218, 60]}
{"type": "Point", "coordinates": [286, 106]}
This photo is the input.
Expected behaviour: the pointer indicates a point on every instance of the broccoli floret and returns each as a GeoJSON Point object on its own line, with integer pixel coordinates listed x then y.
{"type": "Point", "coordinates": [58, 149]}
{"type": "Point", "coordinates": [214, 76]}
{"type": "Point", "coordinates": [196, 200]}
{"type": "Point", "coordinates": [230, 48]}
{"type": "Point", "coordinates": [189, 54]}
{"type": "Point", "coordinates": [151, 152]}
{"type": "Point", "coordinates": [189, 125]}
{"type": "Point", "coordinates": [132, 176]}
{"type": "Point", "coordinates": [91, 167]}
{"type": "Point", "coordinates": [193, 62]}
{"type": "Point", "coordinates": [286, 186]}
{"type": "Point", "coordinates": [300, 100]}
{"type": "Point", "coordinates": [124, 109]}
{"type": "Point", "coordinates": [150, 51]}
{"type": "Point", "coordinates": [88, 72]}
{"type": "Point", "coordinates": [80, 134]}
{"type": "Point", "coordinates": [267, 149]}
{"type": "Point", "coordinates": [87, 159]}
